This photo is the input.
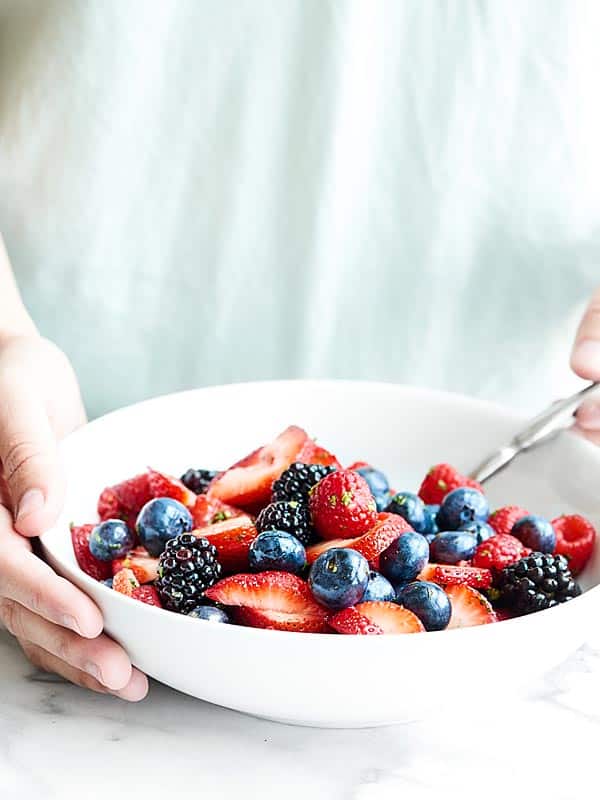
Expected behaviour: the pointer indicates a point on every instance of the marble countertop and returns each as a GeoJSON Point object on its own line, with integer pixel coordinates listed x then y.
{"type": "Point", "coordinates": [59, 741]}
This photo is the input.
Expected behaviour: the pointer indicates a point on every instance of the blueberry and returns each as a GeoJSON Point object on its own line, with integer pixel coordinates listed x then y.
{"type": "Point", "coordinates": [428, 601]}
{"type": "Point", "coordinates": [209, 613]}
{"type": "Point", "coordinates": [111, 539]}
{"type": "Point", "coordinates": [108, 582]}
{"type": "Point", "coordinates": [404, 558]}
{"type": "Point", "coordinates": [431, 526]}
{"type": "Point", "coordinates": [339, 577]}
{"type": "Point", "coordinates": [411, 508]}
{"type": "Point", "coordinates": [278, 550]}
{"type": "Point", "coordinates": [378, 588]}
{"type": "Point", "coordinates": [378, 484]}
{"type": "Point", "coordinates": [536, 533]}
{"type": "Point", "coordinates": [450, 547]}
{"type": "Point", "coordinates": [162, 519]}
{"type": "Point", "coordinates": [460, 507]}
{"type": "Point", "coordinates": [481, 530]}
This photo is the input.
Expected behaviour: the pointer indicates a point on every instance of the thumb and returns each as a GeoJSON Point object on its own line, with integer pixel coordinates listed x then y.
{"type": "Point", "coordinates": [585, 358]}
{"type": "Point", "coordinates": [29, 457]}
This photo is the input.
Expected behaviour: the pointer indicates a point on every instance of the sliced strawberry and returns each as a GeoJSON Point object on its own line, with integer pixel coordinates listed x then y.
{"type": "Point", "coordinates": [248, 483]}
{"type": "Point", "coordinates": [208, 510]}
{"type": "Point", "coordinates": [469, 607]}
{"type": "Point", "coordinates": [143, 566]}
{"type": "Point", "coordinates": [166, 486]}
{"type": "Point", "coordinates": [376, 618]}
{"type": "Point", "coordinates": [92, 566]}
{"type": "Point", "coordinates": [124, 500]}
{"type": "Point", "coordinates": [312, 453]}
{"type": "Point", "coordinates": [454, 575]}
{"type": "Point", "coordinates": [125, 582]}
{"type": "Point", "coordinates": [371, 544]}
{"type": "Point", "coordinates": [277, 600]}
{"type": "Point", "coordinates": [147, 594]}
{"type": "Point", "coordinates": [359, 465]}
{"type": "Point", "coordinates": [232, 538]}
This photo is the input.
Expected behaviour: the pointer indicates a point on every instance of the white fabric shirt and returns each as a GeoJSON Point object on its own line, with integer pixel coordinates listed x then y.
{"type": "Point", "coordinates": [200, 191]}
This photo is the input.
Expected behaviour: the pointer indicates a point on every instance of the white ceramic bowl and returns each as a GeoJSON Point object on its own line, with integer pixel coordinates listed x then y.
{"type": "Point", "coordinates": [329, 680]}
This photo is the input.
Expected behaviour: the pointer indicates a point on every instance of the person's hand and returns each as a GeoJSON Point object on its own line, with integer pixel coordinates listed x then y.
{"type": "Point", "coordinates": [585, 362]}
{"type": "Point", "coordinates": [58, 626]}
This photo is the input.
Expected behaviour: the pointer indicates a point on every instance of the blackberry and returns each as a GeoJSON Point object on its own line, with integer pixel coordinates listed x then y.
{"type": "Point", "coordinates": [536, 582]}
{"type": "Point", "coordinates": [290, 516]}
{"type": "Point", "coordinates": [297, 481]}
{"type": "Point", "coordinates": [186, 568]}
{"type": "Point", "coordinates": [197, 480]}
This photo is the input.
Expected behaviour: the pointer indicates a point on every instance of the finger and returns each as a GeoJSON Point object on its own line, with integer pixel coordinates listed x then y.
{"type": "Point", "coordinates": [585, 358]}
{"type": "Point", "coordinates": [101, 658]}
{"type": "Point", "coordinates": [135, 690]}
{"type": "Point", "coordinates": [29, 581]}
{"type": "Point", "coordinates": [29, 455]}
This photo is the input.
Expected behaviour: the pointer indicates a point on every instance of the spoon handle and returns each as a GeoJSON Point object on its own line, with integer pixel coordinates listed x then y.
{"type": "Point", "coordinates": [555, 418]}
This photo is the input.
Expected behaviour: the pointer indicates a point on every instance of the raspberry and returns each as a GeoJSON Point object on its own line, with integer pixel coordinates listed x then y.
{"type": "Point", "coordinates": [498, 552]}
{"type": "Point", "coordinates": [342, 505]}
{"type": "Point", "coordinates": [503, 519]}
{"type": "Point", "coordinates": [575, 538]}
{"type": "Point", "coordinates": [441, 479]}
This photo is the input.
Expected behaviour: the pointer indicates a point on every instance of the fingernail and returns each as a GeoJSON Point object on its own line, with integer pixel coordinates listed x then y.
{"type": "Point", "coordinates": [587, 354]}
{"type": "Point", "coordinates": [93, 670]}
{"type": "Point", "coordinates": [70, 622]}
{"type": "Point", "coordinates": [136, 689]}
{"type": "Point", "coordinates": [32, 500]}
{"type": "Point", "coordinates": [588, 417]}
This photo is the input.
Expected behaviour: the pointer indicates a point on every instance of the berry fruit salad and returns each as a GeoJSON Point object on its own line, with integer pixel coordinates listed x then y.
{"type": "Point", "coordinates": [289, 539]}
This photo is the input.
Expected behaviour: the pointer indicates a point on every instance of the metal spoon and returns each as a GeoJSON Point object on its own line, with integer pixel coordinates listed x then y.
{"type": "Point", "coordinates": [550, 422]}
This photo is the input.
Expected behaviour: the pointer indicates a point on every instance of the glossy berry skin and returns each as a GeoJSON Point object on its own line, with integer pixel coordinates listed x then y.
{"type": "Point", "coordinates": [111, 539]}
{"type": "Point", "coordinates": [162, 519]}
{"type": "Point", "coordinates": [428, 602]}
{"type": "Point", "coordinates": [410, 507]}
{"type": "Point", "coordinates": [339, 578]}
{"type": "Point", "coordinates": [378, 484]}
{"type": "Point", "coordinates": [277, 550]}
{"type": "Point", "coordinates": [431, 526]}
{"type": "Point", "coordinates": [536, 533]}
{"type": "Point", "coordinates": [450, 547]}
{"type": "Point", "coordinates": [462, 506]}
{"type": "Point", "coordinates": [405, 558]}
{"type": "Point", "coordinates": [379, 589]}
{"type": "Point", "coordinates": [209, 613]}
{"type": "Point", "coordinates": [481, 530]}
{"type": "Point", "coordinates": [108, 582]}
{"type": "Point", "coordinates": [198, 480]}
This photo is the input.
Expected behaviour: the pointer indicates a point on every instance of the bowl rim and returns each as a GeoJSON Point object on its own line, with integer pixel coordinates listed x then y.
{"type": "Point", "coordinates": [76, 574]}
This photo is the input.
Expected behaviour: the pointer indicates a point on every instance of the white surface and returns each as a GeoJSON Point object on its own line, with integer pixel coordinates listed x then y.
{"type": "Point", "coordinates": [198, 191]}
{"type": "Point", "coordinates": [317, 679]}
{"type": "Point", "coordinates": [58, 742]}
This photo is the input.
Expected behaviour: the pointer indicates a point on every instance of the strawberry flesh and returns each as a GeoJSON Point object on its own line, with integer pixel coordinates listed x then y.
{"type": "Point", "coordinates": [143, 566]}
{"type": "Point", "coordinates": [232, 538]}
{"type": "Point", "coordinates": [469, 607]}
{"type": "Point", "coordinates": [92, 566]}
{"type": "Point", "coordinates": [376, 618]}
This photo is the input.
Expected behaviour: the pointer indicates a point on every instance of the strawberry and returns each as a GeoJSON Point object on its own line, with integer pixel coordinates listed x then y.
{"type": "Point", "coordinates": [143, 566]}
{"type": "Point", "coordinates": [469, 607]}
{"type": "Point", "coordinates": [208, 510]}
{"type": "Point", "coordinates": [124, 500]}
{"type": "Point", "coordinates": [166, 486]}
{"type": "Point", "coordinates": [92, 566]}
{"type": "Point", "coordinates": [499, 551]}
{"type": "Point", "coordinates": [342, 505]}
{"type": "Point", "coordinates": [312, 453]}
{"type": "Point", "coordinates": [248, 482]}
{"type": "Point", "coordinates": [276, 600]}
{"type": "Point", "coordinates": [147, 594]}
{"type": "Point", "coordinates": [454, 575]}
{"type": "Point", "coordinates": [575, 539]}
{"type": "Point", "coordinates": [232, 538]}
{"type": "Point", "coordinates": [125, 582]}
{"type": "Point", "coordinates": [371, 544]}
{"type": "Point", "coordinates": [359, 465]}
{"type": "Point", "coordinates": [441, 479]}
{"type": "Point", "coordinates": [376, 618]}
{"type": "Point", "coordinates": [503, 519]}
